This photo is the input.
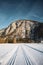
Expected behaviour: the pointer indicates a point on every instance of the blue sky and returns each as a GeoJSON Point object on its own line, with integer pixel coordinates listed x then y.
{"type": "Point", "coordinates": [12, 10]}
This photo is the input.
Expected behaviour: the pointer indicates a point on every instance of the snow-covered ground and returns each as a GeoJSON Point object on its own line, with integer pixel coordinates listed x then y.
{"type": "Point", "coordinates": [21, 54]}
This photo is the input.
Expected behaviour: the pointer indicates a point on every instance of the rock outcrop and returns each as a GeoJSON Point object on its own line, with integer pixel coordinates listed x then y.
{"type": "Point", "coordinates": [22, 31]}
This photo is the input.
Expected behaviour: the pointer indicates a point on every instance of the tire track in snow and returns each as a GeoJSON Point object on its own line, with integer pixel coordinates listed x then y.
{"type": "Point", "coordinates": [28, 62]}
{"type": "Point", "coordinates": [34, 49]}
{"type": "Point", "coordinates": [13, 58]}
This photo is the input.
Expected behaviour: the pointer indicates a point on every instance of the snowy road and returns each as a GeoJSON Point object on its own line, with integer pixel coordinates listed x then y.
{"type": "Point", "coordinates": [21, 54]}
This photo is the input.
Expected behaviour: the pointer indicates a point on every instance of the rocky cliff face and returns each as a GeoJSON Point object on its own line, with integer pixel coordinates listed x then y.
{"type": "Point", "coordinates": [24, 30]}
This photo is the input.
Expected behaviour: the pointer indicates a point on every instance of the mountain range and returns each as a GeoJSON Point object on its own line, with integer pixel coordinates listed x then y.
{"type": "Point", "coordinates": [23, 31]}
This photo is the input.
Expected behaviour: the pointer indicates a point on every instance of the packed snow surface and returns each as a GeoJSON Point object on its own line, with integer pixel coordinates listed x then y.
{"type": "Point", "coordinates": [21, 54]}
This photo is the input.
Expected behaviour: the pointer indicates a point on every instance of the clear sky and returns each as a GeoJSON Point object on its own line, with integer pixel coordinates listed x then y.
{"type": "Point", "coordinates": [12, 10]}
